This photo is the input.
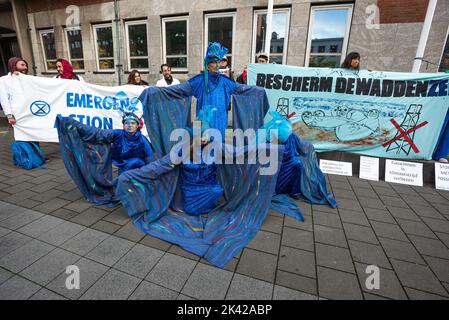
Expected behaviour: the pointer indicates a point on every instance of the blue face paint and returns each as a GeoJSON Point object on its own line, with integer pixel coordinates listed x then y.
{"type": "Point", "coordinates": [131, 126]}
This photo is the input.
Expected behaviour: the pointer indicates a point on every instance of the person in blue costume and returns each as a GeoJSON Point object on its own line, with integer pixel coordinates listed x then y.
{"type": "Point", "coordinates": [130, 148]}
{"type": "Point", "coordinates": [157, 195]}
{"type": "Point", "coordinates": [201, 190]}
{"type": "Point", "coordinates": [212, 89]}
{"type": "Point", "coordinates": [300, 176]}
{"type": "Point", "coordinates": [88, 154]}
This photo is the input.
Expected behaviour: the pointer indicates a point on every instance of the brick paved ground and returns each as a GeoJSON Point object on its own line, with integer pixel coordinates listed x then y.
{"type": "Point", "coordinates": [46, 225]}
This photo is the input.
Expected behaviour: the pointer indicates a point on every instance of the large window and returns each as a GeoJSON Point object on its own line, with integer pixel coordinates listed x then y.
{"type": "Point", "coordinates": [48, 49]}
{"type": "Point", "coordinates": [444, 64]}
{"type": "Point", "coordinates": [75, 47]}
{"type": "Point", "coordinates": [136, 35]}
{"type": "Point", "coordinates": [328, 35]}
{"type": "Point", "coordinates": [279, 34]}
{"type": "Point", "coordinates": [104, 47]}
{"type": "Point", "coordinates": [175, 42]}
{"type": "Point", "coordinates": [221, 28]}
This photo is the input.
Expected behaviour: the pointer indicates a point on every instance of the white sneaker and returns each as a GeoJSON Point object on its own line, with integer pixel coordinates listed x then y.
{"type": "Point", "coordinates": [443, 160]}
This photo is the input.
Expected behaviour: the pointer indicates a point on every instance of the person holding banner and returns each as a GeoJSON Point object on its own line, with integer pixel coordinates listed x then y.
{"type": "Point", "coordinates": [225, 69]}
{"type": "Point", "coordinates": [65, 70]}
{"type": "Point", "coordinates": [242, 79]}
{"type": "Point", "coordinates": [15, 66]}
{"type": "Point", "coordinates": [262, 58]}
{"type": "Point", "coordinates": [352, 61]}
{"type": "Point", "coordinates": [136, 79]}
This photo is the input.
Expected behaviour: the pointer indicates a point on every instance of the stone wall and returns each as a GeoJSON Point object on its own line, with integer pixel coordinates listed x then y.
{"type": "Point", "coordinates": [391, 47]}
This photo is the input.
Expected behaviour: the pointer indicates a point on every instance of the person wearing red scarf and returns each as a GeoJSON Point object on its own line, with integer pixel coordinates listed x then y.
{"type": "Point", "coordinates": [242, 78]}
{"type": "Point", "coordinates": [65, 70]}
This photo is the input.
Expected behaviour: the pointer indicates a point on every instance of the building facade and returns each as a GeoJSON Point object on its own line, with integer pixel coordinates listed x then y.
{"type": "Point", "coordinates": [104, 40]}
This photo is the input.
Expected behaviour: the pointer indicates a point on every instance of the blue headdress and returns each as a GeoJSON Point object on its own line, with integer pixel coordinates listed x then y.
{"type": "Point", "coordinates": [215, 52]}
{"type": "Point", "coordinates": [132, 116]}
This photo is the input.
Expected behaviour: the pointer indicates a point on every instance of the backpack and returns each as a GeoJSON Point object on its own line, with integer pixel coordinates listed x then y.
{"type": "Point", "coordinates": [27, 155]}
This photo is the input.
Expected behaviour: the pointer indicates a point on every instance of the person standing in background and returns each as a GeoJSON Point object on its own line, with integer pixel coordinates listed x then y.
{"type": "Point", "coordinates": [136, 79]}
{"type": "Point", "coordinates": [352, 61]}
{"type": "Point", "coordinates": [167, 79]}
{"type": "Point", "coordinates": [65, 70]}
{"type": "Point", "coordinates": [15, 66]}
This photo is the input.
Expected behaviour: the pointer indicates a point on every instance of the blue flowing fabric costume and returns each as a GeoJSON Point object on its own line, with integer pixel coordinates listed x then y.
{"type": "Point", "coordinates": [153, 194]}
{"type": "Point", "coordinates": [300, 175]}
{"type": "Point", "coordinates": [130, 151]}
{"type": "Point", "coordinates": [88, 154]}
{"type": "Point", "coordinates": [201, 190]}
{"type": "Point", "coordinates": [220, 89]}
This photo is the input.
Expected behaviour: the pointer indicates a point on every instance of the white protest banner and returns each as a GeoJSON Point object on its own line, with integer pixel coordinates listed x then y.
{"type": "Point", "coordinates": [336, 167]}
{"type": "Point", "coordinates": [442, 176]}
{"type": "Point", "coordinates": [404, 172]}
{"type": "Point", "coordinates": [369, 168]}
{"type": "Point", "coordinates": [37, 101]}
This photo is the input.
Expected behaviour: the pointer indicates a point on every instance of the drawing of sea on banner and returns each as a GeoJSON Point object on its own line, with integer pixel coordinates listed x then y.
{"type": "Point", "coordinates": [346, 122]}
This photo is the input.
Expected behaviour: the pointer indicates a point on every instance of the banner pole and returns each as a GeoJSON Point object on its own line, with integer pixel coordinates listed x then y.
{"type": "Point", "coordinates": [269, 22]}
{"type": "Point", "coordinates": [424, 35]}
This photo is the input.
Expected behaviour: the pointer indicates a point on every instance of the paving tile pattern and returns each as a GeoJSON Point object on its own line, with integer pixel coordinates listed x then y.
{"type": "Point", "coordinates": [46, 226]}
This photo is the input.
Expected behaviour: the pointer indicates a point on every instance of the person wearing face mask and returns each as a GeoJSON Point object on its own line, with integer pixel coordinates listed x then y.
{"type": "Point", "coordinates": [225, 68]}
{"type": "Point", "coordinates": [18, 66]}
{"type": "Point", "coordinates": [213, 89]}
{"type": "Point", "coordinates": [15, 66]}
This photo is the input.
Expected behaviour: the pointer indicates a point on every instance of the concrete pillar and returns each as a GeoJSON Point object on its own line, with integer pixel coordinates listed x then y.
{"type": "Point", "coordinates": [196, 50]}
{"type": "Point", "coordinates": [21, 25]}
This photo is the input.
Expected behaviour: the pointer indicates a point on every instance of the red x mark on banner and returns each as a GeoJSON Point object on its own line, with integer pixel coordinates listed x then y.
{"type": "Point", "coordinates": [405, 134]}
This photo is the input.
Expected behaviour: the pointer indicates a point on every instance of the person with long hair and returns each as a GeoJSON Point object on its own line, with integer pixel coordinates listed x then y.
{"type": "Point", "coordinates": [136, 79]}
{"type": "Point", "coordinates": [16, 66]}
{"type": "Point", "coordinates": [352, 61]}
{"type": "Point", "coordinates": [65, 70]}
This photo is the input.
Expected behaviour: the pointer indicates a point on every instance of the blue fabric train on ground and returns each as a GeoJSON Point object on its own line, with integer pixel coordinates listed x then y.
{"type": "Point", "coordinates": [157, 204]}
{"type": "Point", "coordinates": [299, 176]}
{"type": "Point", "coordinates": [159, 197]}
{"type": "Point", "coordinates": [89, 153]}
